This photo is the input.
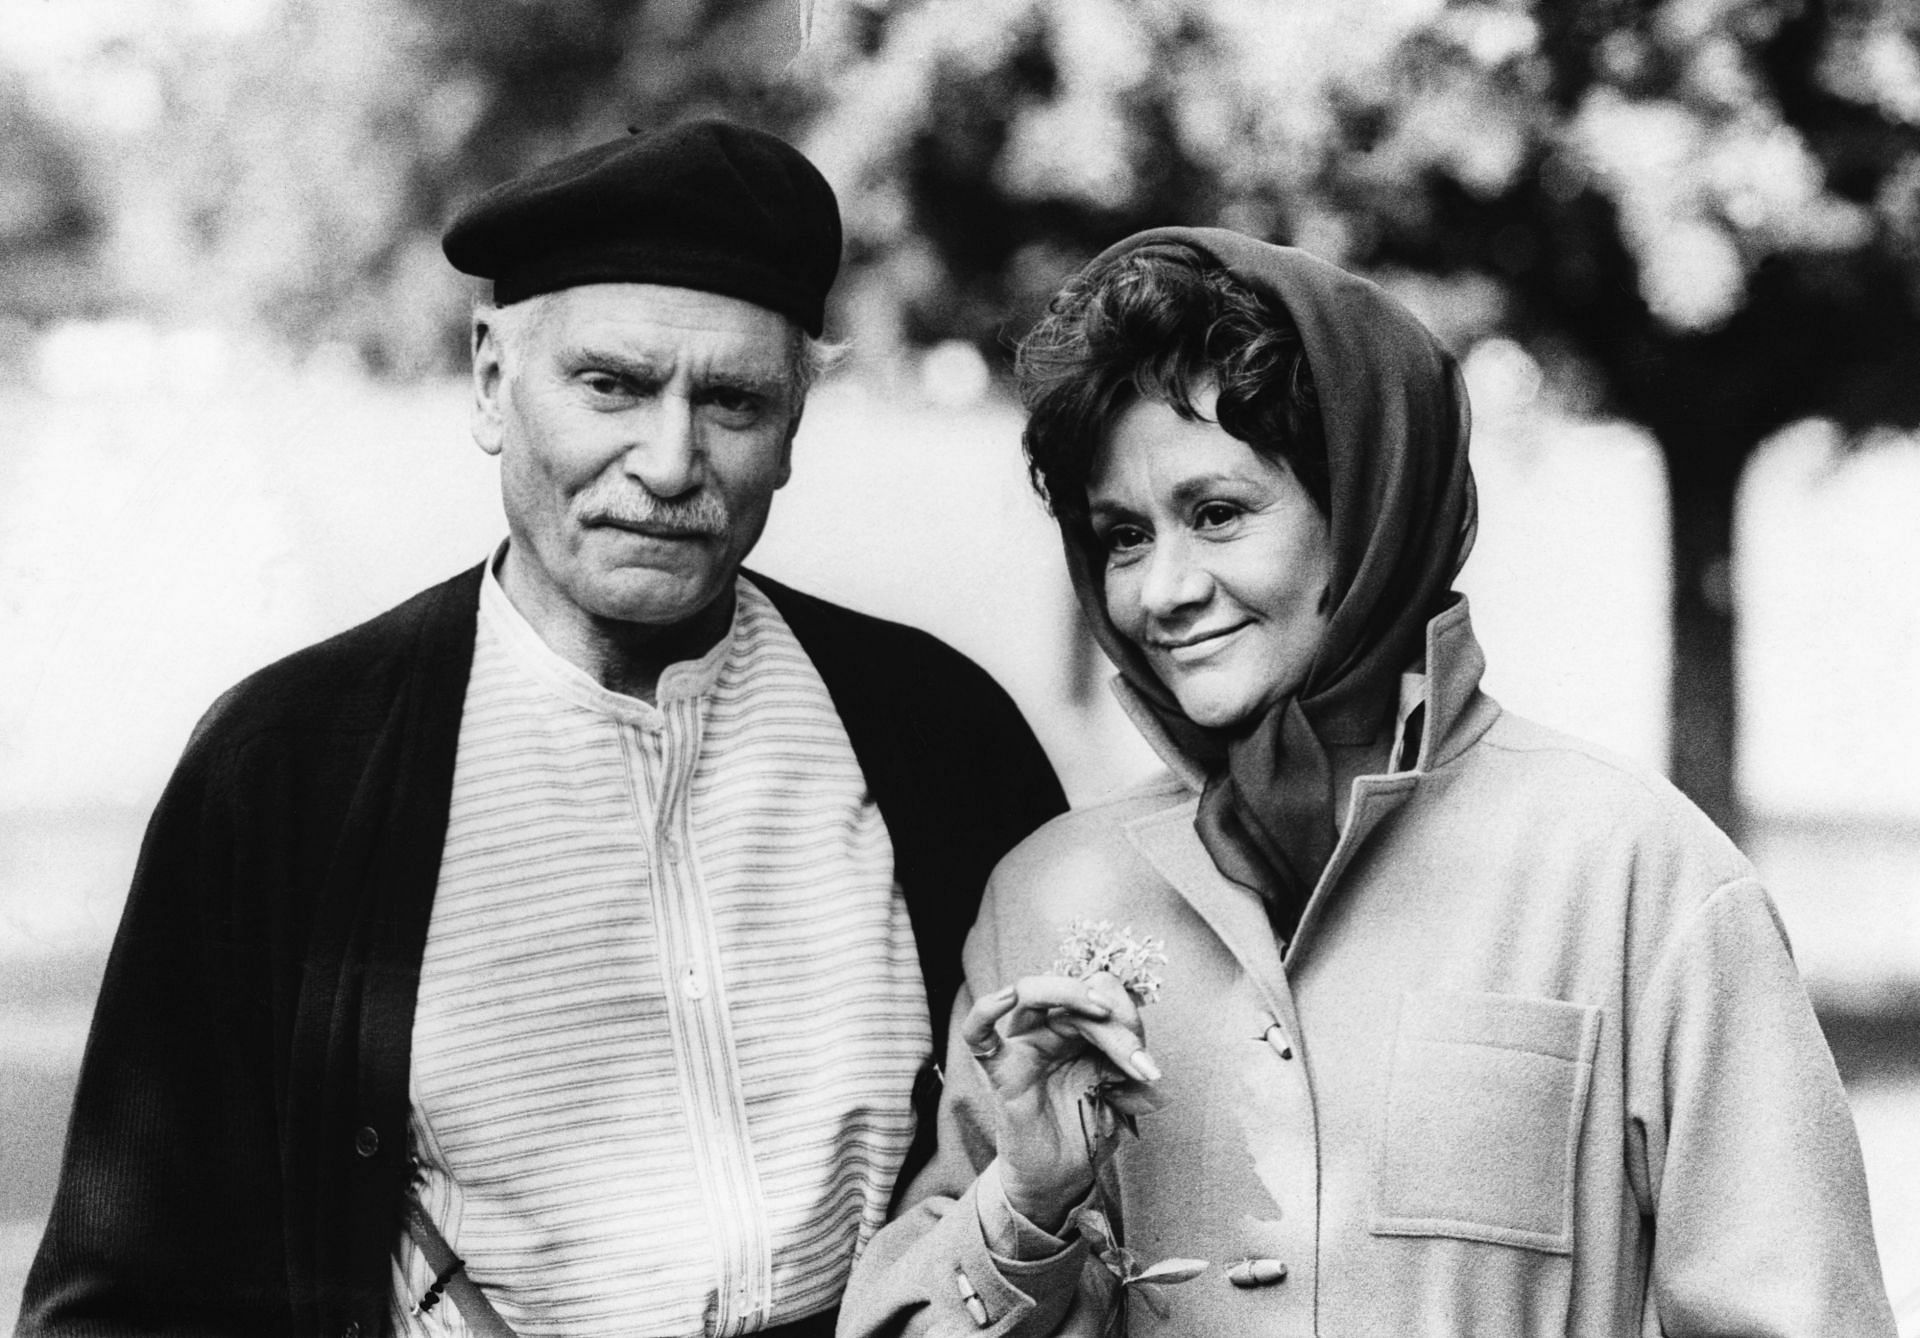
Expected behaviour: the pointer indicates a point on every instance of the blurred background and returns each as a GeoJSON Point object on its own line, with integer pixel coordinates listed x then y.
{"type": "Point", "coordinates": [1677, 246]}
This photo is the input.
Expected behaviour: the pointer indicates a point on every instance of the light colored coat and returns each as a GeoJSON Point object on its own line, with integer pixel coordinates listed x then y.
{"type": "Point", "coordinates": [1544, 1066]}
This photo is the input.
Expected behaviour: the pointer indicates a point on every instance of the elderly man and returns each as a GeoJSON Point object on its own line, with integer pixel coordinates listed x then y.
{"type": "Point", "coordinates": [564, 943]}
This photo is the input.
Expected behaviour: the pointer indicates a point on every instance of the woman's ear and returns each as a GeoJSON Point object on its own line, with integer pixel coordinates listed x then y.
{"type": "Point", "coordinates": [489, 385]}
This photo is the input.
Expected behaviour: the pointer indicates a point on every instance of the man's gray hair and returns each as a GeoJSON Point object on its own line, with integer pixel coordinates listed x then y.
{"type": "Point", "coordinates": [809, 358]}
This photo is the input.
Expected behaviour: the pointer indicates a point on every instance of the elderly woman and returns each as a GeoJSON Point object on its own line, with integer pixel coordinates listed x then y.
{"type": "Point", "coordinates": [1459, 1026]}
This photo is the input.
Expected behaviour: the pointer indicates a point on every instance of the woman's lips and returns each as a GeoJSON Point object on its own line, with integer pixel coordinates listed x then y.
{"type": "Point", "coordinates": [1198, 646]}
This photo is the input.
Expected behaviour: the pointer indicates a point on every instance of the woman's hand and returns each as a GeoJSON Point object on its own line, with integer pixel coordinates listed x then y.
{"type": "Point", "coordinates": [1042, 1042]}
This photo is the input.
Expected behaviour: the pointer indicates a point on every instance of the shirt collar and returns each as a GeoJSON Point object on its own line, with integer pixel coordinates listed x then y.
{"type": "Point", "coordinates": [682, 680]}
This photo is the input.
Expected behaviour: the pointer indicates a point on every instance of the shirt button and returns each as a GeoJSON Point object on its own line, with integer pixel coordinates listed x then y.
{"type": "Point", "coordinates": [367, 1141]}
{"type": "Point", "coordinates": [671, 849]}
{"type": "Point", "coordinates": [1257, 1273]}
{"type": "Point", "coordinates": [693, 985]}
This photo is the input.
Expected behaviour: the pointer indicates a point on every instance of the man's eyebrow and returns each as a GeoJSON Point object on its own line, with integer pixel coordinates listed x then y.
{"type": "Point", "coordinates": [768, 383]}
{"type": "Point", "coordinates": [650, 371]}
{"type": "Point", "coordinates": [626, 364]}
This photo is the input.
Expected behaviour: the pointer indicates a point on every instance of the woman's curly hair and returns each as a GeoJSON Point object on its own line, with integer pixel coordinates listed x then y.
{"type": "Point", "coordinates": [1162, 323]}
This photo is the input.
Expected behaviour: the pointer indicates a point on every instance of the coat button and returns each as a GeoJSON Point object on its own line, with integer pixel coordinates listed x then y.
{"type": "Point", "coordinates": [1257, 1273]}
{"type": "Point", "coordinates": [976, 1308]}
{"type": "Point", "coordinates": [351, 1331]}
{"type": "Point", "coordinates": [367, 1141]}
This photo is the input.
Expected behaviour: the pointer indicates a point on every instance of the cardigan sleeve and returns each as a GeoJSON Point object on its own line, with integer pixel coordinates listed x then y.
{"type": "Point", "coordinates": [909, 1279]}
{"type": "Point", "coordinates": [1744, 1147]}
{"type": "Point", "coordinates": [166, 1218]}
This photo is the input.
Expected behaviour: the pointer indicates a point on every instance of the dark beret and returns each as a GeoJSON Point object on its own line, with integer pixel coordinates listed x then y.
{"type": "Point", "coordinates": [704, 204]}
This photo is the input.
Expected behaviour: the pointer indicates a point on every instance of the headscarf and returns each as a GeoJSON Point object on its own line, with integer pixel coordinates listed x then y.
{"type": "Point", "coordinates": [1394, 411]}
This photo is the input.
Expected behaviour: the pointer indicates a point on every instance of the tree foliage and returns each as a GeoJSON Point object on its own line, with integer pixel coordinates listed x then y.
{"type": "Point", "coordinates": [291, 172]}
{"type": "Point", "coordinates": [1580, 175]}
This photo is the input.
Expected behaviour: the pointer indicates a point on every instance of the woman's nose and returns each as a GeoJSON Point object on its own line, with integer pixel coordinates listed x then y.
{"type": "Point", "coordinates": [665, 456]}
{"type": "Point", "coordinates": [1173, 580]}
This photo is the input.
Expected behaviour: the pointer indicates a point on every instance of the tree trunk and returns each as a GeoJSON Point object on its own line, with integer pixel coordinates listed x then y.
{"type": "Point", "coordinates": [1702, 710]}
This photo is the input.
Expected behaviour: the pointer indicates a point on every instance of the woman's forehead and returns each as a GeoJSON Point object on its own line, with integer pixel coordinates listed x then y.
{"type": "Point", "coordinates": [1155, 448]}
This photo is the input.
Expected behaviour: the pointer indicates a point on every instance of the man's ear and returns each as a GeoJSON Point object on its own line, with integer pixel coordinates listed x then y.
{"type": "Point", "coordinates": [489, 384]}
{"type": "Point", "coordinates": [786, 447]}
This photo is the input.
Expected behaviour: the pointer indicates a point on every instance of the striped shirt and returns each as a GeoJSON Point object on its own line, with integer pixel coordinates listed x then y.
{"type": "Point", "coordinates": [670, 1010]}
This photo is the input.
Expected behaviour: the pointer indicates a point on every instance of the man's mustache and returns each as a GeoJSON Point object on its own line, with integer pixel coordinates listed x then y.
{"type": "Point", "coordinates": [704, 514]}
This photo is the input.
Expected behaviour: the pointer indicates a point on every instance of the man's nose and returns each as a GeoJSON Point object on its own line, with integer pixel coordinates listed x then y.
{"type": "Point", "coordinates": [666, 456]}
{"type": "Point", "coordinates": [1174, 579]}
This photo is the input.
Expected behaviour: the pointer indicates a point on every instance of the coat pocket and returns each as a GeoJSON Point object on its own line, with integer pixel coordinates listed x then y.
{"type": "Point", "coordinates": [1485, 1100]}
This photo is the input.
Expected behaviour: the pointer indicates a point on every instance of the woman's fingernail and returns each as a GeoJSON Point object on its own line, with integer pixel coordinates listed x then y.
{"type": "Point", "coordinates": [1144, 1067]}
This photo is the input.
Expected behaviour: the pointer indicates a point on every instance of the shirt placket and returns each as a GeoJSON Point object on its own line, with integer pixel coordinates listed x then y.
{"type": "Point", "coordinates": [710, 1076]}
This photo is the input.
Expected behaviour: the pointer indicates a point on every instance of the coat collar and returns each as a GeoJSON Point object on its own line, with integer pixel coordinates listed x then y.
{"type": "Point", "coordinates": [1456, 713]}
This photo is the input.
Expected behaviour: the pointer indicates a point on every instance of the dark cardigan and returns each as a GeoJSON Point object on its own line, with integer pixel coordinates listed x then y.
{"type": "Point", "coordinates": [237, 1155]}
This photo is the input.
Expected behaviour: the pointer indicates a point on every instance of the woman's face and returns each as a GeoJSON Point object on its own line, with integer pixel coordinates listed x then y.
{"type": "Point", "coordinates": [1218, 561]}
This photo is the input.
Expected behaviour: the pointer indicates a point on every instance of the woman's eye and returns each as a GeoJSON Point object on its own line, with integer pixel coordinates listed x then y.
{"type": "Point", "coordinates": [1213, 515]}
{"type": "Point", "coordinates": [1123, 539]}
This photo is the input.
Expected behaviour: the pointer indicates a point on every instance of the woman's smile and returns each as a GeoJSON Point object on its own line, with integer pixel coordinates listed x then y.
{"type": "Point", "coordinates": [1198, 645]}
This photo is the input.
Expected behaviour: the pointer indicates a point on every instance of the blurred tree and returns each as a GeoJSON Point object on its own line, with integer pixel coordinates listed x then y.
{"type": "Point", "coordinates": [298, 162]}
{"type": "Point", "coordinates": [50, 221]}
{"type": "Point", "coordinates": [1701, 215]}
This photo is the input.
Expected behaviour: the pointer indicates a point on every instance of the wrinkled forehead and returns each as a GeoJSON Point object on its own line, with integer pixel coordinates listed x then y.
{"type": "Point", "coordinates": [670, 330]}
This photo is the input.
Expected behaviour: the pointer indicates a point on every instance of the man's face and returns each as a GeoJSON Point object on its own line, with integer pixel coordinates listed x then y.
{"type": "Point", "coordinates": [641, 431]}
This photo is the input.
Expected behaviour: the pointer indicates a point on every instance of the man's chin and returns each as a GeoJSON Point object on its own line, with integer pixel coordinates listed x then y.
{"type": "Point", "coordinates": [651, 597]}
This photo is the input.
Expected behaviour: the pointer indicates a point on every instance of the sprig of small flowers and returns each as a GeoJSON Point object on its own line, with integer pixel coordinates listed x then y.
{"type": "Point", "coordinates": [1092, 946]}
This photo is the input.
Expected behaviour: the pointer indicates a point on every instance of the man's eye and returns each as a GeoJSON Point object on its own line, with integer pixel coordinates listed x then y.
{"type": "Point", "coordinates": [604, 383]}
{"type": "Point", "coordinates": [734, 403]}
